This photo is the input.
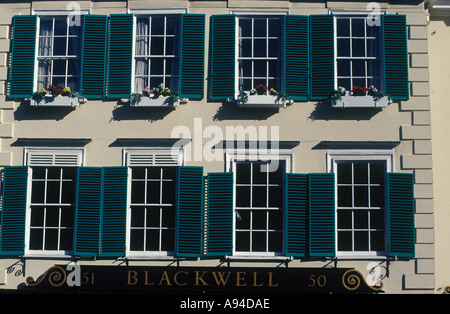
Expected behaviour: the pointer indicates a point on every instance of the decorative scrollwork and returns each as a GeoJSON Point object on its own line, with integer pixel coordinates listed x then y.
{"type": "Point", "coordinates": [352, 280]}
{"type": "Point", "coordinates": [55, 275]}
{"type": "Point", "coordinates": [447, 290]}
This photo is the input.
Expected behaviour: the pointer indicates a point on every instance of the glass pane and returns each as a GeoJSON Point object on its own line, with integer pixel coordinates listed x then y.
{"type": "Point", "coordinates": [361, 219]}
{"type": "Point", "coordinates": [373, 48]}
{"type": "Point", "coordinates": [68, 193]}
{"type": "Point", "coordinates": [153, 217]}
{"type": "Point", "coordinates": [168, 217]}
{"type": "Point", "coordinates": [137, 192]}
{"type": "Point", "coordinates": [73, 83]}
{"type": "Point", "coordinates": [377, 219]}
{"type": "Point", "coordinates": [377, 196]}
{"type": "Point", "coordinates": [52, 217]}
{"type": "Point", "coordinates": [243, 219]}
{"type": "Point", "coordinates": [372, 29]}
{"type": "Point", "coordinates": [346, 83]}
{"type": "Point", "coordinates": [259, 197]}
{"type": "Point", "coordinates": [59, 67]}
{"type": "Point", "coordinates": [170, 45]}
{"type": "Point", "coordinates": [276, 196]}
{"type": "Point", "coordinates": [67, 217]}
{"type": "Point", "coordinates": [168, 240]}
{"type": "Point", "coordinates": [51, 239]}
{"type": "Point", "coordinates": [343, 67]}
{"type": "Point", "coordinates": [74, 46]}
{"type": "Point", "coordinates": [274, 27]}
{"type": "Point", "coordinates": [37, 192]}
{"type": "Point", "coordinates": [344, 173]}
{"type": "Point", "coordinates": [259, 48]}
{"type": "Point", "coordinates": [37, 217]}
{"type": "Point", "coordinates": [276, 176]}
{"type": "Point", "coordinates": [260, 28]}
{"type": "Point", "coordinates": [137, 216]}
{"type": "Point", "coordinates": [245, 48]}
{"type": "Point", "coordinates": [157, 46]}
{"type": "Point", "coordinates": [361, 196]}
{"type": "Point", "coordinates": [141, 45]}
{"type": "Point", "coordinates": [168, 195]}
{"type": "Point", "coordinates": [171, 25]}
{"type": "Point", "coordinates": [59, 47]}
{"type": "Point", "coordinates": [45, 46]}
{"type": "Point", "coordinates": [377, 241]}
{"type": "Point", "coordinates": [258, 242]}
{"type": "Point", "coordinates": [245, 27]}
{"type": "Point", "coordinates": [157, 25]}
{"type": "Point", "coordinates": [60, 26]}
{"type": "Point", "coordinates": [275, 242]}
{"type": "Point", "coordinates": [66, 240]}
{"type": "Point", "coordinates": [360, 171]}
{"type": "Point", "coordinates": [358, 49]}
{"type": "Point", "coordinates": [45, 26]}
{"type": "Point", "coordinates": [156, 66]}
{"type": "Point", "coordinates": [259, 220]}
{"type": "Point", "coordinates": [344, 196]}
{"type": "Point", "coordinates": [260, 69]}
{"type": "Point", "coordinates": [142, 26]}
{"type": "Point", "coordinates": [155, 81]}
{"type": "Point", "coordinates": [259, 175]}
{"type": "Point", "coordinates": [152, 240]}
{"type": "Point", "coordinates": [243, 241]}
{"type": "Point", "coordinates": [358, 68]}
{"type": "Point", "coordinates": [373, 68]}
{"type": "Point", "coordinates": [276, 220]}
{"type": "Point", "coordinates": [344, 219]}
{"type": "Point", "coordinates": [343, 27]}
{"type": "Point", "coordinates": [377, 173]}
{"type": "Point", "coordinates": [273, 69]}
{"type": "Point", "coordinates": [343, 47]}
{"type": "Point", "coordinates": [273, 48]}
{"type": "Point", "coordinates": [153, 192]}
{"type": "Point", "coordinates": [137, 240]}
{"type": "Point", "coordinates": [243, 173]}
{"type": "Point", "coordinates": [73, 67]}
{"type": "Point", "coordinates": [361, 241]}
{"type": "Point", "coordinates": [344, 241]}
{"type": "Point", "coordinates": [53, 188]}
{"type": "Point", "coordinates": [243, 196]}
{"type": "Point", "coordinates": [358, 27]}
{"type": "Point", "coordinates": [44, 67]}
{"type": "Point", "coordinates": [245, 68]}
{"type": "Point", "coordinates": [36, 239]}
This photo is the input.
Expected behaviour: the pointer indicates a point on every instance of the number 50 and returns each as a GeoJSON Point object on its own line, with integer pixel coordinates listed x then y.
{"type": "Point", "coordinates": [319, 281]}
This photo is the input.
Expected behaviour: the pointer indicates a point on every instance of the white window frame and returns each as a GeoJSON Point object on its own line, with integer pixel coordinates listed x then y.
{"type": "Point", "coordinates": [376, 14]}
{"type": "Point", "coordinates": [236, 155]}
{"type": "Point", "coordinates": [51, 152]}
{"type": "Point", "coordinates": [334, 156]}
{"type": "Point", "coordinates": [51, 13]}
{"type": "Point", "coordinates": [145, 151]}
{"type": "Point", "coordinates": [146, 12]}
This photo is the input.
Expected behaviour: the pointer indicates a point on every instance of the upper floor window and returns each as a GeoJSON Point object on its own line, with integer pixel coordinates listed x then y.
{"type": "Point", "coordinates": [157, 52]}
{"type": "Point", "coordinates": [59, 52]}
{"type": "Point", "coordinates": [358, 52]}
{"type": "Point", "coordinates": [259, 51]}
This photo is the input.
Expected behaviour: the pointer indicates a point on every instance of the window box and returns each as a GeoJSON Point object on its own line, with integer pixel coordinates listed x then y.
{"type": "Point", "coordinates": [163, 101]}
{"type": "Point", "coordinates": [58, 101]}
{"type": "Point", "coordinates": [359, 102]}
{"type": "Point", "coordinates": [263, 101]}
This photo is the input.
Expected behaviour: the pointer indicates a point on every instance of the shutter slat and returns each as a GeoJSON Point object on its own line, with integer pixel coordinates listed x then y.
{"type": "Point", "coordinates": [322, 214]}
{"type": "Point", "coordinates": [192, 56]}
{"type": "Point", "coordinates": [296, 59]}
{"type": "Point", "coordinates": [223, 56]}
{"type": "Point", "coordinates": [120, 55]}
{"type": "Point", "coordinates": [21, 81]}
{"type": "Point", "coordinates": [189, 200]}
{"type": "Point", "coordinates": [321, 56]}
{"type": "Point", "coordinates": [93, 68]}
{"type": "Point", "coordinates": [395, 41]}
{"type": "Point", "coordinates": [220, 214]}
{"type": "Point", "coordinates": [401, 214]}
{"type": "Point", "coordinates": [14, 203]}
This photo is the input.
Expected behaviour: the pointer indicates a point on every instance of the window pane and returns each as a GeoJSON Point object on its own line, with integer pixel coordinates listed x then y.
{"type": "Point", "coordinates": [344, 173]}
{"type": "Point", "coordinates": [245, 27]}
{"type": "Point", "coordinates": [344, 219]}
{"type": "Point", "coordinates": [157, 25]}
{"type": "Point", "coordinates": [259, 220]}
{"type": "Point", "coordinates": [152, 240]}
{"type": "Point", "coordinates": [60, 26]}
{"type": "Point", "coordinates": [275, 242]}
{"type": "Point", "coordinates": [137, 239]}
{"type": "Point", "coordinates": [38, 192]}
{"type": "Point", "coordinates": [51, 239]}
{"type": "Point", "coordinates": [153, 192]}
{"type": "Point", "coordinates": [171, 25]}
{"type": "Point", "coordinates": [358, 27]}
{"type": "Point", "coordinates": [273, 47]}
{"type": "Point", "coordinates": [274, 27]}
{"type": "Point", "coordinates": [344, 196]}
{"type": "Point", "coordinates": [157, 46]}
{"type": "Point", "coordinates": [361, 219]}
{"type": "Point", "coordinates": [168, 196]}
{"type": "Point", "coordinates": [37, 217]}
{"type": "Point", "coordinates": [259, 241]}
{"type": "Point", "coordinates": [377, 196]}
{"type": "Point", "coordinates": [157, 66]}
{"type": "Point", "coordinates": [358, 68]}
{"type": "Point", "coordinates": [361, 196]}
{"type": "Point", "coordinates": [243, 241]}
{"type": "Point", "coordinates": [243, 173]}
{"type": "Point", "coordinates": [260, 69]}
{"type": "Point", "coordinates": [259, 175]}
{"type": "Point", "coordinates": [137, 216]}
{"type": "Point", "coordinates": [260, 27]}
{"type": "Point", "coordinates": [343, 67]}
{"type": "Point", "coordinates": [276, 196]}
{"type": "Point", "coordinates": [377, 241]}
{"type": "Point", "coordinates": [343, 47]}
{"type": "Point", "coordinates": [168, 240]}
{"type": "Point", "coordinates": [361, 241]}
{"type": "Point", "coordinates": [53, 188]}
{"type": "Point", "coordinates": [36, 239]}
{"type": "Point", "coordinates": [59, 48]}
{"type": "Point", "coordinates": [243, 196]}
{"type": "Point", "coordinates": [259, 196]}
{"type": "Point", "coordinates": [259, 48]}
{"type": "Point", "coordinates": [343, 27]}
{"type": "Point", "coordinates": [67, 218]}
{"type": "Point", "coordinates": [168, 217]}
{"type": "Point", "coordinates": [153, 217]}
{"type": "Point", "coordinates": [358, 49]}
{"type": "Point", "coordinates": [243, 219]}
{"type": "Point", "coordinates": [345, 240]}
{"type": "Point", "coordinates": [74, 46]}
{"type": "Point", "coordinates": [276, 220]}
{"type": "Point", "coordinates": [360, 173]}
{"type": "Point", "coordinates": [59, 67]}
{"type": "Point", "coordinates": [245, 48]}
{"type": "Point", "coordinates": [137, 192]}
{"type": "Point", "coordinates": [377, 219]}
{"type": "Point", "coordinates": [66, 241]}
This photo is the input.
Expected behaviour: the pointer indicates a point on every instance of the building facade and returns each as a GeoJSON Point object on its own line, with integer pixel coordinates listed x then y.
{"type": "Point", "coordinates": [216, 146]}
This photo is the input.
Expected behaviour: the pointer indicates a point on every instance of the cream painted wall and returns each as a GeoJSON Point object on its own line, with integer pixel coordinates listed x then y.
{"type": "Point", "coordinates": [439, 34]}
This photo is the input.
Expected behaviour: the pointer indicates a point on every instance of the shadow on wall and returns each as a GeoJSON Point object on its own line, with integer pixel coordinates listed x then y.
{"type": "Point", "coordinates": [324, 111]}
{"type": "Point", "coordinates": [26, 112]}
{"type": "Point", "coordinates": [151, 114]}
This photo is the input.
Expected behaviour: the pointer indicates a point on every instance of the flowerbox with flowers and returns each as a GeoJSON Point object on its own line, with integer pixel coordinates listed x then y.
{"type": "Point", "coordinates": [360, 97]}
{"type": "Point", "coordinates": [263, 97]}
{"type": "Point", "coordinates": [158, 97]}
{"type": "Point", "coordinates": [56, 96]}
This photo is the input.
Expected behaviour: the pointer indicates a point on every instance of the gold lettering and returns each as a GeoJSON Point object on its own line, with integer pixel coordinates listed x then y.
{"type": "Point", "coordinates": [199, 278]}
{"type": "Point", "coordinates": [270, 280]}
{"type": "Point", "coordinates": [239, 279]}
{"type": "Point", "coordinates": [219, 277]}
{"type": "Point", "coordinates": [255, 274]}
{"type": "Point", "coordinates": [132, 278]}
{"type": "Point", "coordinates": [147, 283]}
{"type": "Point", "coordinates": [175, 278]}
{"type": "Point", "coordinates": [165, 277]}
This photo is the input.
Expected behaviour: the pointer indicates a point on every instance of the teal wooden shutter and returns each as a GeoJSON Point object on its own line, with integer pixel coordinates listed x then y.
{"type": "Point", "coordinates": [120, 56]}
{"type": "Point", "coordinates": [401, 214]}
{"type": "Point", "coordinates": [223, 57]}
{"type": "Point", "coordinates": [189, 200]}
{"type": "Point", "coordinates": [296, 56]}
{"type": "Point", "coordinates": [14, 204]}
{"type": "Point", "coordinates": [395, 41]}
{"type": "Point", "coordinates": [93, 60]}
{"type": "Point", "coordinates": [321, 56]}
{"type": "Point", "coordinates": [220, 214]}
{"type": "Point", "coordinates": [322, 214]}
{"type": "Point", "coordinates": [296, 218]}
{"type": "Point", "coordinates": [23, 45]}
{"type": "Point", "coordinates": [88, 211]}
{"type": "Point", "coordinates": [114, 211]}
{"type": "Point", "coordinates": [192, 56]}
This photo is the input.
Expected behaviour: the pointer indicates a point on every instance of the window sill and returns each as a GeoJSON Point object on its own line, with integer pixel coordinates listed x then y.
{"type": "Point", "coordinates": [360, 102]}
{"type": "Point", "coordinates": [258, 258]}
{"type": "Point", "coordinates": [58, 101]}
{"type": "Point", "coordinates": [156, 102]}
{"type": "Point", "coordinates": [263, 101]}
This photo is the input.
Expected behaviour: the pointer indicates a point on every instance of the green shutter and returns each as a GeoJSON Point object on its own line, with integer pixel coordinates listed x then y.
{"type": "Point", "coordinates": [395, 41]}
{"type": "Point", "coordinates": [192, 57]}
{"type": "Point", "coordinates": [223, 57]}
{"type": "Point", "coordinates": [114, 211]}
{"type": "Point", "coordinates": [401, 214]}
{"type": "Point", "coordinates": [93, 61]}
{"type": "Point", "coordinates": [23, 44]}
{"type": "Point", "coordinates": [189, 200]}
{"type": "Point", "coordinates": [296, 56]}
{"type": "Point", "coordinates": [220, 214]}
{"type": "Point", "coordinates": [120, 56]}
{"type": "Point", "coordinates": [14, 204]}
{"type": "Point", "coordinates": [88, 211]}
{"type": "Point", "coordinates": [322, 214]}
{"type": "Point", "coordinates": [321, 56]}
{"type": "Point", "coordinates": [296, 218]}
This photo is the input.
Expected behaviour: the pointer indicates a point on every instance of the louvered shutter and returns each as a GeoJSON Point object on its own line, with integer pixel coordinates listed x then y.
{"type": "Point", "coordinates": [395, 41]}
{"type": "Point", "coordinates": [296, 214]}
{"type": "Point", "coordinates": [88, 208]}
{"type": "Point", "coordinates": [189, 201]}
{"type": "Point", "coordinates": [220, 214]}
{"type": "Point", "coordinates": [321, 56]}
{"type": "Point", "coordinates": [14, 204]}
{"type": "Point", "coordinates": [296, 56]}
{"type": "Point", "coordinates": [322, 214]}
{"type": "Point", "coordinates": [192, 56]}
{"type": "Point", "coordinates": [223, 57]}
{"type": "Point", "coordinates": [93, 60]}
{"type": "Point", "coordinates": [114, 211]}
{"type": "Point", "coordinates": [120, 56]}
{"type": "Point", "coordinates": [401, 214]}
{"type": "Point", "coordinates": [23, 53]}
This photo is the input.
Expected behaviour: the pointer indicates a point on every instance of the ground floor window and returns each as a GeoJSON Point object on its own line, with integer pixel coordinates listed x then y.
{"type": "Point", "coordinates": [259, 208]}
